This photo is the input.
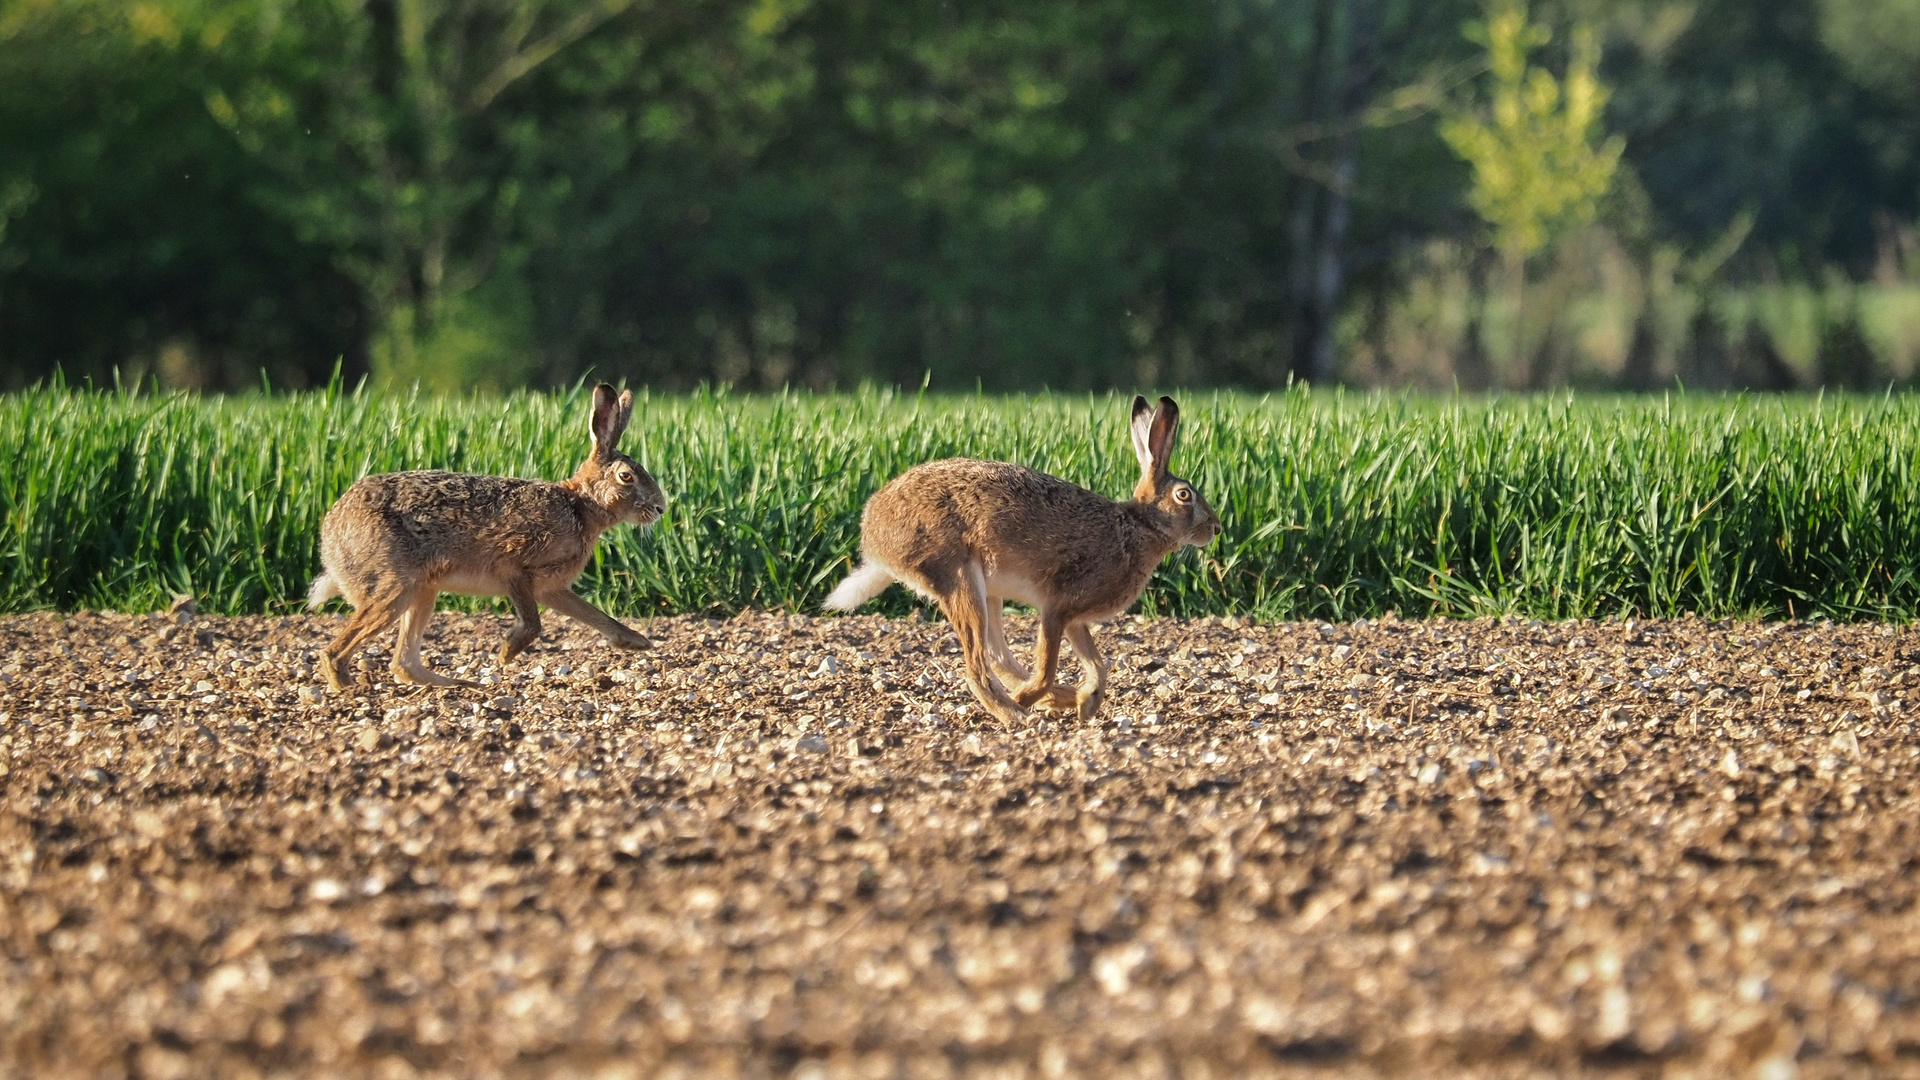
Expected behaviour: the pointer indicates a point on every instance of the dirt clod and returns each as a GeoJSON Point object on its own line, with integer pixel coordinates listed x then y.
{"type": "Point", "coordinates": [778, 846]}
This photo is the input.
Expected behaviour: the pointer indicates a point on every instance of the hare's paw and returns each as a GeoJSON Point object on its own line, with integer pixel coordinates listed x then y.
{"type": "Point", "coordinates": [1062, 699]}
{"type": "Point", "coordinates": [632, 639]}
{"type": "Point", "coordinates": [339, 677]}
{"type": "Point", "coordinates": [424, 676]}
{"type": "Point", "coordinates": [1006, 712]}
{"type": "Point", "coordinates": [1051, 696]}
{"type": "Point", "coordinates": [1088, 702]}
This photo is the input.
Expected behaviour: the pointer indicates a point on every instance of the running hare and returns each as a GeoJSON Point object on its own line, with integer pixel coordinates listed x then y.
{"type": "Point", "coordinates": [971, 535]}
{"type": "Point", "coordinates": [394, 542]}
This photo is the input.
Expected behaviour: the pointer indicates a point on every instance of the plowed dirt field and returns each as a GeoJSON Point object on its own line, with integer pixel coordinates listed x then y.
{"type": "Point", "coordinates": [780, 846]}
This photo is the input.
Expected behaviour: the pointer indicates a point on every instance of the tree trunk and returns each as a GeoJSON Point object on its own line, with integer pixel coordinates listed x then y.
{"type": "Point", "coordinates": [1470, 368]}
{"type": "Point", "coordinates": [1330, 278]}
{"type": "Point", "coordinates": [1324, 212]}
{"type": "Point", "coordinates": [1302, 221]}
{"type": "Point", "coordinates": [1640, 372]}
{"type": "Point", "coordinates": [1520, 363]}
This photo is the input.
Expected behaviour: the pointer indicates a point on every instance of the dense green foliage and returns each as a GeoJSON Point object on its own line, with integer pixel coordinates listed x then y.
{"type": "Point", "coordinates": [823, 192]}
{"type": "Point", "coordinates": [1335, 505]}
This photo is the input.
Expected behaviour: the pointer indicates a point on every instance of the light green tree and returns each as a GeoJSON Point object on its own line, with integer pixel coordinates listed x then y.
{"type": "Point", "coordinates": [1540, 157]}
{"type": "Point", "coordinates": [1878, 41]}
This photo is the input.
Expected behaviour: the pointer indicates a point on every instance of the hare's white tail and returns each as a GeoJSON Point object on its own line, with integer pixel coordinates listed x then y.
{"type": "Point", "coordinates": [324, 589]}
{"type": "Point", "coordinates": [865, 583]}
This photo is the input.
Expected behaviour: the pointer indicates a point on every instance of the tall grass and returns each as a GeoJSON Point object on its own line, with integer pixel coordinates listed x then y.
{"type": "Point", "coordinates": [1335, 505]}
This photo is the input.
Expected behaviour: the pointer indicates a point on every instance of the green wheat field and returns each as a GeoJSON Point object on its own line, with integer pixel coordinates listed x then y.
{"type": "Point", "coordinates": [1336, 505]}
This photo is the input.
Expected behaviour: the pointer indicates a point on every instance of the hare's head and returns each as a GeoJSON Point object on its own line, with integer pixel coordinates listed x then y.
{"type": "Point", "coordinates": [611, 479]}
{"type": "Point", "coordinates": [1154, 429]}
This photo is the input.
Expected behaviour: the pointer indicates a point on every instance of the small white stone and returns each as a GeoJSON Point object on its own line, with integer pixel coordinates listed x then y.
{"type": "Point", "coordinates": [326, 890]}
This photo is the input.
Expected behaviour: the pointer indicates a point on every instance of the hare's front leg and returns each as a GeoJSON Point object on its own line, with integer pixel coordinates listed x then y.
{"type": "Point", "coordinates": [1094, 690]}
{"type": "Point", "coordinates": [568, 603]}
{"type": "Point", "coordinates": [1046, 662]}
{"type": "Point", "coordinates": [526, 623]}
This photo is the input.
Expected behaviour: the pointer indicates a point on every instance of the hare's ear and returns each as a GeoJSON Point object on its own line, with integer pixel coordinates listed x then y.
{"type": "Point", "coordinates": [1142, 430]}
{"type": "Point", "coordinates": [609, 419]}
{"type": "Point", "coordinates": [1161, 431]}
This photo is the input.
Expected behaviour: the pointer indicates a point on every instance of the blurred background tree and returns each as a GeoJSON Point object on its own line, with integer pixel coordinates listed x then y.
{"type": "Point", "coordinates": [474, 193]}
{"type": "Point", "coordinates": [1539, 166]}
{"type": "Point", "coordinates": [380, 134]}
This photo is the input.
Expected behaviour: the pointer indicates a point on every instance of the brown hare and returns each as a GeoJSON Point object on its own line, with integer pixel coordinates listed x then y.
{"type": "Point", "coordinates": [971, 535]}
{"type": "Point", "coordinates": [395, 541]}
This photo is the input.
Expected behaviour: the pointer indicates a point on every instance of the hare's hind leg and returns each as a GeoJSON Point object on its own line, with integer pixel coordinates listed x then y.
{"type": "Point", "coordinates": [379, 611]}
{"type": "Point", "coordinates": [1094, 690]}
{"type": "Point", "coordinates": [1002, 653]}
{"type": "Point", "coordinates": [965, 604]}
{"type": "Point", "coordinates": [407, 665]}
{"type": "Point", "coordinates": [1046, 661]}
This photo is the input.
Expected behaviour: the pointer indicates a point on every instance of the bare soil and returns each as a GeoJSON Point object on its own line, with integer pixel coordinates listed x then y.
{"type": "Point", "coordinates": [781, 846]}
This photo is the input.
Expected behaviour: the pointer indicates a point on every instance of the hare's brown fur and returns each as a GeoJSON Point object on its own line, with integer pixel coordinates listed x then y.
{"type": "Point", "coordinates": [971, 535]}
{"type": "Point", "coordinates": [393, 542]}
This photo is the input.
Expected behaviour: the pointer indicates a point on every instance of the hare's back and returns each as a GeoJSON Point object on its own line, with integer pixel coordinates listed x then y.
{"type": "Point", "coordinates": [431, 511]}
{"type": "Point", "coordinates": [429, 496]}
{"type": "Point", "coordinates": [991, 503]}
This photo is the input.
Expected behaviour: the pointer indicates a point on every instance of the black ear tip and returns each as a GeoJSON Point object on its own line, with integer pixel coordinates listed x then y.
{"type": "Point", "coordinates": [1139, 404]}
{"type": "Point", "coordinates": [1167, 404]}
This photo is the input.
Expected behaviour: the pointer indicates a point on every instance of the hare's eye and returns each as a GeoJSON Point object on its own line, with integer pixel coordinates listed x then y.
{"type": "Point", "coordinates": [625, 476]}
{"type": "Point", "coordinates": [1184, 495]}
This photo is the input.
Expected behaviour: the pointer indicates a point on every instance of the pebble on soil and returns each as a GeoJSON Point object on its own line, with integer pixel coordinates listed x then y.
{"type": "Point", "coordinates": [785, 846]}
